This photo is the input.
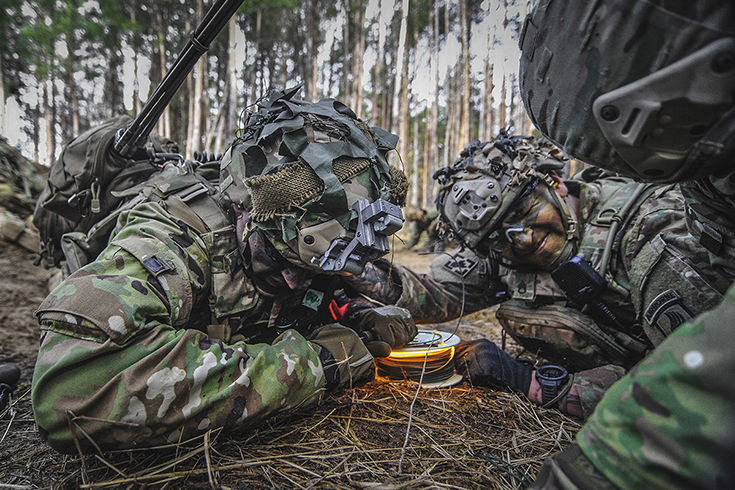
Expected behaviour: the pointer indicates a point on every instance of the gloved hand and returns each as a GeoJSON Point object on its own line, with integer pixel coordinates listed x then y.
{"type": "Point", "coordinates": [9, 376]}
{"type": "Point", "coordinates": [384, 328]}
{"type": "Point", "coordinates": [487, 365]}
{"type": "Point", "coordinates": [204, 157]}
{"type": "Point", "coordinates": [345, 359]}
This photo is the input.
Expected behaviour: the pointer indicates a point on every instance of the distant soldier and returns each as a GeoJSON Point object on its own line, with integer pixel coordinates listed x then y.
{"type": "Point", "coordinates": [421, 221]}
{"type": "Point", "coordinates": [21, 181]}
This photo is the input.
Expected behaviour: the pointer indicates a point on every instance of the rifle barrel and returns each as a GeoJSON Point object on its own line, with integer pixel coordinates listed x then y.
{"type": "Point", "coordinates": [211, 25]}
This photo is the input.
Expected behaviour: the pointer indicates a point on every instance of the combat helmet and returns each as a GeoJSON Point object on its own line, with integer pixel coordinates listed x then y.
{"type": "Point", "coordinates": [487, 182]}
{"type": "Point", "coordinates": [639, 87]}
{"type": "Point", "coordinates": [317, 181]}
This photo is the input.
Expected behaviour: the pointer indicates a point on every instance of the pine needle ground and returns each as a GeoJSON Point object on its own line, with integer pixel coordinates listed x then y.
{"type": "Point", "coordinates": [380, 436]}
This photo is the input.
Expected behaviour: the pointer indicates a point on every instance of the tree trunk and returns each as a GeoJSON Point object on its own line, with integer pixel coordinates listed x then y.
{"type": "Point", "coordinates": [199, 97]}
{"type": "Point", "coordinates": [502, 110]}
{"type": "Point", "coordinates": [486, 119]}
{"type": "Point", "coordinates": [449, 95]}
{"type": "Point", "coordinates": [164, 124]}
{"type": "Point", "coordinates": [255, 79]}
{"type": "Point", "coordinates": [312, 48]}
{"type": "Point", "coordinates": [36, 124]}
{"type": "Point", "coordinates": [464, 126]}
{"type": "Point", "coordinates": [3, 129]}
{"type": "Point", "coordinates": [415, 170]}
{"type": "Point", "coordinates": [48, 110]}
{"type": "Point", "coordinates": [432, 123]}
{"type": "Point", "coordinates": [378, 85]}
{"type": "Point", "coordinates": [347, 4]}
{"type": "Point", "coordinates": [358, 57]}
{"type": "Point", "coordinates": [401, 88]}
{"type": "Point", "coordinates": [448, 150]}
{"type": "Point", "coordinates": [232, 72]}
{"type": "Point", "coordinates": [426, 166]}
{"type": "Point", "coordinates": [137, 103]}
{"type": "Point", "coordinates": [487, 103]}
{"type": "Point", "coordinates": [389, 81]}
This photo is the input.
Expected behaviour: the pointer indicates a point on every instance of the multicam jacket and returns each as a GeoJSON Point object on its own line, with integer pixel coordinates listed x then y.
{"type": "Point", "coordinates": [669, 423]}
{"type": "Point", "coordinates": [658, 278]}
{"type": "Point", "coordinates": [125, 359]}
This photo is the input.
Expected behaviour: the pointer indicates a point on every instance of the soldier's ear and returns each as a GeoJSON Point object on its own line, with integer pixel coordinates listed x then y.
{"type": "Point", "coordinates": [559, 185]}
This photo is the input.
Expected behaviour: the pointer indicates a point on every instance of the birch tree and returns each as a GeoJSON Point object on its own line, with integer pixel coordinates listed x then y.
{"type": "Point", "coordinates": [401, 86]}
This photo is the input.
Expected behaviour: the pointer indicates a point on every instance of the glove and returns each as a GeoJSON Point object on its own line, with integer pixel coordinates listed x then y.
{"type": "Point", "coordinates": [9, 376]}
{"type": "Point", "coordinates": [384, 328]}
{"type": "Point", "coordinates": [487, 365]}
{"type": "Point", "coordinates": [345, 359]}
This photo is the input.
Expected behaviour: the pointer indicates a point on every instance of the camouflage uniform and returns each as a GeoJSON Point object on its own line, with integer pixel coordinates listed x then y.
{"type": "Point", "coordinates": [124, 357]}
{"type": "Point", "coordinates": [669, 423]}
{"type": "Point", "coordinates": [183, 323]}
{"type": "Point", "coordinates": [421, 221]}
{"type": "Point", "coordinates": [659, 277]}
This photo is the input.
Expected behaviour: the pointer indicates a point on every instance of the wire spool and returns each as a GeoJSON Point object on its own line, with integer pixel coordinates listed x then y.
{"type": "Point", "coordinates": [435, 349]}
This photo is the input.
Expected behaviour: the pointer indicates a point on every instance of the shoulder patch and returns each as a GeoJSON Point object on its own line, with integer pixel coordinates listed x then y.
{"type": "Point", "coordinates": [460, 265]}
{"type": "Point", "coordinates": [155, 266]}
{"type": "Point", "coordinates": [667, 312]}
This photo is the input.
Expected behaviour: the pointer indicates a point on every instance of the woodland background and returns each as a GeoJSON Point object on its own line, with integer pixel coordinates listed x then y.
{"type": "Point", "coordinates": [437, 73]}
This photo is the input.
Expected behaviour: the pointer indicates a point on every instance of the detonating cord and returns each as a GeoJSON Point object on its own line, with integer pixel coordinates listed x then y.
{"type": "Point", "coordinates": [421, 380]}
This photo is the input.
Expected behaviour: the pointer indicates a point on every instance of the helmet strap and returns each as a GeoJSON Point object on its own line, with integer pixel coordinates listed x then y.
{"type": "Point", "coordinates": [569, 221]}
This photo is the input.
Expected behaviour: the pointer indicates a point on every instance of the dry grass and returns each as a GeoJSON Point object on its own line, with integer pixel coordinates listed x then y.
{"type": "Point", "coordinates": [372, 437]}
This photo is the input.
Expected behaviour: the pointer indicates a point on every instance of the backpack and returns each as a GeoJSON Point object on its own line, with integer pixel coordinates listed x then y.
{"type": "Point", "coordinates": [87, 182]}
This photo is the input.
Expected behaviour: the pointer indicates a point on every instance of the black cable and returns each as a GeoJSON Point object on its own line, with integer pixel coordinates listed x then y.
{"type": "Point", "coordinates": [514, 470]}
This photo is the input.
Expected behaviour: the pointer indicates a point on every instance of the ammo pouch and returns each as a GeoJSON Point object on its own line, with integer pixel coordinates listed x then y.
{"type": "Point", "coordinates": [560, 334]}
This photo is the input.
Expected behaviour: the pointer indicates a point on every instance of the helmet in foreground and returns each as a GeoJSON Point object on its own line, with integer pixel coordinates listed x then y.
{"type": "Point", "coordinates": [487, 182]}
{"type": "Point", "coordinates": [316, 179]}
{"type": "Point", "coordinates": [642, 88]}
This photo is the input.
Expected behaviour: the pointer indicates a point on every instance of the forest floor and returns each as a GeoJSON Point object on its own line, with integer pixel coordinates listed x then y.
{"type": "Point", "coordinates": [385, 435]}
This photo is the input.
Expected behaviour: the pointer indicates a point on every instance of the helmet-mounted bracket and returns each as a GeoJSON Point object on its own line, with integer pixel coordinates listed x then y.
{"type": "Point", "coordinates": [660, 122]}
{"type": "Point", "coordinates": [376, 221]}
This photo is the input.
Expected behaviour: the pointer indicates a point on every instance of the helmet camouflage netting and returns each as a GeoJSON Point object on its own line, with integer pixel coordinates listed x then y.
{"type": "Point", "coordinates": [488, 179]}
{"type": "Point", "coordinates": [298, 163]}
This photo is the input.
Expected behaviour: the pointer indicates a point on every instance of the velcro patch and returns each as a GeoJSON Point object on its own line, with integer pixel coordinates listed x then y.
{"type": "Point", "coordinates": [154, 265]}
{"type": "Point", "coordinates": [460, 265]}
{"type": "Point", "coordinates": [667, 312]}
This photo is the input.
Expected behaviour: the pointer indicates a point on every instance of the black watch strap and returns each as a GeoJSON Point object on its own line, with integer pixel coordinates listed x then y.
{"type": "Point", "coordinates": [551, 378]}
{"type": "Point", "coordinates": [548, 392]}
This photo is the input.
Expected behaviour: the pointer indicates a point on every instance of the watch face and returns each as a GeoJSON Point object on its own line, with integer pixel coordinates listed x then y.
{"type": "Point", "coordinates": [552, 373]}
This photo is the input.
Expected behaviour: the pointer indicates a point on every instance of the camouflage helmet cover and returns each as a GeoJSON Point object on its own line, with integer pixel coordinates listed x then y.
{"type": "Point", "coordinates": [644, 88]}
{"type": "Point", "coordinates": [303, 165]}
{"type": "Point", "coordinates": [487, 180]}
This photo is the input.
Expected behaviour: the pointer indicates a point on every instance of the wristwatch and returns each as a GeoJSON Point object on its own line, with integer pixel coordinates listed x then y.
{"type": "Point", "coordinates": [551, 378]}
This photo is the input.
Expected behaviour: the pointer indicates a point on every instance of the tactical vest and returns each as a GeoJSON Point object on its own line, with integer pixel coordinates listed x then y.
{"type": "Point", "coordinates": [191, 198]}
{"type": "Point", "coordinates": [710, 219]}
